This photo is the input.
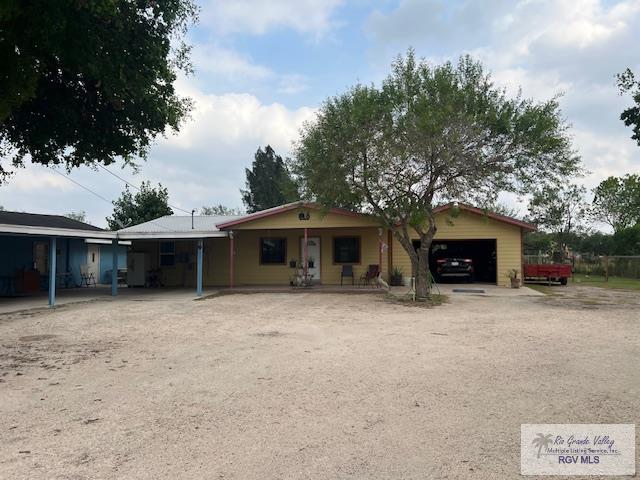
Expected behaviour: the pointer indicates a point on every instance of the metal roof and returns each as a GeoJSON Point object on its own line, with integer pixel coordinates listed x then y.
{"type": "Point", "coordinates": [178, 226]}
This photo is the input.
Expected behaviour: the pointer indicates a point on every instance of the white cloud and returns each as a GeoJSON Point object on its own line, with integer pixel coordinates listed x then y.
{"type": "Point", "coordinates": [233, 117]}
{"type": "Point", "coordinates": [293, 83]}
{"type": "Point", "coordinates": [211, 58]}
{"type": "Point", "coordinates": [259, 16]}
{"type": "Point", "coordinates": [225, 69]}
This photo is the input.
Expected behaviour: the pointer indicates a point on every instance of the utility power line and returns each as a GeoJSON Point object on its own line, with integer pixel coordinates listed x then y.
{"type": "Point", "coordinates": [101, 197]}
{"type": "Point", "coordinates": [82, 186]}
{"type": "Point", "coordinates": [138, 188]}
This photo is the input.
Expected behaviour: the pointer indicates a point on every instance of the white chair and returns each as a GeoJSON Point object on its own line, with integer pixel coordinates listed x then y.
{"type": "Point", "coordinates": [86, 277]}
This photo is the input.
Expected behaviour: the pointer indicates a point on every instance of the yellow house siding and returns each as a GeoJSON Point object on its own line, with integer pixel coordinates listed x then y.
{"type": "Point", "coordinates": [249, 271]}
{"type": "Point", "coordinates": [317, 219]}
{"type": "Point", "coordinates": [215, 268]}
{"type": "Point", "coordinates": [469, 226]}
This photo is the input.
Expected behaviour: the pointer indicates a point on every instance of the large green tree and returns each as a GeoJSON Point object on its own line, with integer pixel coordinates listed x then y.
{"type": "Point", "coordinates": [559, 210]}
{"type": "Point", "coordinates": [616, 202]}
{"type": "Point", "coordinates": [429, 134]}
{"type": "Point", "coordinates": [88, 81]}
{"type": "Point", "coordinates": [147, 204]}
{"type": "Point", "coordinates": [628, 83]}
{"type": "Point", "coordinates": [269, 182]}
{"type": "Point", "coordinates": [627, 241]}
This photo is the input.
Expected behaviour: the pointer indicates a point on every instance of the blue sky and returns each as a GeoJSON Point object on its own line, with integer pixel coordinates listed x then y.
{"type": "Point", "coordinates": [263, 67]}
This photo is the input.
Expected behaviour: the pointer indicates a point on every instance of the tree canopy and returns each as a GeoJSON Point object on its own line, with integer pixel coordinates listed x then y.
{"type": "Point", "coordinates": [80, 216]}
{"type": "Point", "coordinates": [147, 204]}
{"type": "Point", "coordinates": [628, 83]}
{"type": "Point", "coordinates": [430, 133]}
{"type": "Point", "coordinates": [89, 81]}
{"type": "Point", "coordinates": [269, 182]}
{"type": "Point", "coordinates": [616, 202]}
{"type": "Point", "coordinates": [220, 210]}
{"type": "Point", "coordinates": [559, 210]}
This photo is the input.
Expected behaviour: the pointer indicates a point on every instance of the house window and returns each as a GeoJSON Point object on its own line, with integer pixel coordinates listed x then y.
{"type": "Point", "coordinates": [273, 251]}
{"type": "Point", "coordinates": [167, 254]}
{"type": "Point", "coordinates": [346, 250]}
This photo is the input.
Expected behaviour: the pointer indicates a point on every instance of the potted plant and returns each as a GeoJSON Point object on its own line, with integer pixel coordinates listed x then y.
{"type": "Point", "coordinates": [515, 280]}
{"type": "Point", "coordinates": [310, 262]}
{"type": "Point", "coordinates": [396, 277]}
{"type": "Point", "coordinates": [293, 263]}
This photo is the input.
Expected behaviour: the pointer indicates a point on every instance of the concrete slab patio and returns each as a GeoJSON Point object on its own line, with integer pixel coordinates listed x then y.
{"type": "Point", "coordinates": [306, 386]}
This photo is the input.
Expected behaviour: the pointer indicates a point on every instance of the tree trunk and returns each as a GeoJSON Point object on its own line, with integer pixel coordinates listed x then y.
{"type": "Point", "coordinates": [422, 275]}
{"type": "Point", "coordinates": [419, 258]}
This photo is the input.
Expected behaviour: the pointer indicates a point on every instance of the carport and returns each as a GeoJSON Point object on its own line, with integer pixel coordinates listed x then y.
{"type": "Point", "coordinates": [169, 251]}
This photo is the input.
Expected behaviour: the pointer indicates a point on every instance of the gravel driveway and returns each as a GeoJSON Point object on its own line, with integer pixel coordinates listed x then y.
{"type": "Point", "coordinates": [306, 386]}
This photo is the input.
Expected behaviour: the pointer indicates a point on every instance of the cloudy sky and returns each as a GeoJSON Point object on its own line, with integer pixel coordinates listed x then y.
{"type": "Point", "coordinates": [263, 66]}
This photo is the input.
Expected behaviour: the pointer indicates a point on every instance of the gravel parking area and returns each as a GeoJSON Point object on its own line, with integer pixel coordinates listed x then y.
{"type": "Point", "coordinates": [306, 386]}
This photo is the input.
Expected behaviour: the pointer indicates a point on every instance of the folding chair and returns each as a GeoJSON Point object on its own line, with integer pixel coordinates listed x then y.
{"type": "Point", "coordinates": [86, 277]}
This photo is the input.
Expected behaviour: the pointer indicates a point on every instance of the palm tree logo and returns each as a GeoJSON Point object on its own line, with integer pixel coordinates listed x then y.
{"type": "Point", "coordinates": [542, 441]}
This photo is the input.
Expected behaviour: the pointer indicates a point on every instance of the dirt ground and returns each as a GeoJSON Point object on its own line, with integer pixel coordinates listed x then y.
{"type": "Point", "coordinates": [308, 386]}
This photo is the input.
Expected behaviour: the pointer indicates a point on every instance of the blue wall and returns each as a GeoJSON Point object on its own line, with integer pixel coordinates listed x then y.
{"type": "Point", "coordinates": [16, 253]}
{"type": "Point", "coordinates": [77, 257]}
{"type": "Point", "coordinates": [106, 252]}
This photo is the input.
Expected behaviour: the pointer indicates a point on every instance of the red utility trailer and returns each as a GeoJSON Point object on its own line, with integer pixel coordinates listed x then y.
{"type": "Point", "coordinates": [548, 272]}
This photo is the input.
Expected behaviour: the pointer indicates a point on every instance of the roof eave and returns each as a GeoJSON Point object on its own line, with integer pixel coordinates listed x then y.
{"type": "Point", "coordinates": [495, 216]}
{"type": "Point", "coordinates": [170, 235]}
{"type": "Point", "coordinates": [284, 208]}
{"type": "Point", "coordinates": [55, 232]}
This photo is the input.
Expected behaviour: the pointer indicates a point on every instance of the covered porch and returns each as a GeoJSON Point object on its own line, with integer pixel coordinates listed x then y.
{"type": "Point", "coordinates": [298, 257]}
{"type": "Point", "coordinates": [42, 254]}
{"type": "Point", "coordinates": [303, 243]}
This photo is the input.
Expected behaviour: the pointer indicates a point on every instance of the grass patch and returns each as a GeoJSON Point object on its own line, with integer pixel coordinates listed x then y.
{"type": "Point", "coordinates": [433, 300]}
{"type": "Point", "coordinates": [615, 283]}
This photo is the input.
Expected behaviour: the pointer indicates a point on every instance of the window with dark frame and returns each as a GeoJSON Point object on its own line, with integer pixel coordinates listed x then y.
{"type": "Point", "coordinates": [273, 251]}
{"type": "Point", "coordinates": [346, 250]}
{"type": "Point", "coordinates": [167, 254]}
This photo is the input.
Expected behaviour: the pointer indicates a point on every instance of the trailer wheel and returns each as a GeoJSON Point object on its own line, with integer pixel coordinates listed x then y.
{"type": "Point", "coordinates": [563, 281]}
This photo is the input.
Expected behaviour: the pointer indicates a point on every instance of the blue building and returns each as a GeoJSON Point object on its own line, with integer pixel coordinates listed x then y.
{"type": "Point", "coordinates": [83, 253]}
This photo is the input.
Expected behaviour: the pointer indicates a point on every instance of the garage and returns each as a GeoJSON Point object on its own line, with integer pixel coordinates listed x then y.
{"type": "Point", "coordinates": [490, 242]}
{"type": "Point", "coordinates": [482, 254]}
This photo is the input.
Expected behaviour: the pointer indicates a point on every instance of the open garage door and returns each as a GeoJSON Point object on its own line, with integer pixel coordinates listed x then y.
{"type": "Point", "coordinates": [483, 254]}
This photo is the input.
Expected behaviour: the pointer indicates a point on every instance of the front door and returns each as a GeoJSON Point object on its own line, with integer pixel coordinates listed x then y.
{"type": "Point", "coordinates": [313, 256]}
{"type": "Point", "coordinates": [93, 261]}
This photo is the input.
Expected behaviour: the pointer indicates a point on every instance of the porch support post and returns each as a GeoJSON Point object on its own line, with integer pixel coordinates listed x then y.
{"type": "Point", "coordinates": [199, 268]}
{"type": "Point", "coordinates": [52, 271]}
{"type": "Point", "coordinates": [306, 254]}
{"type": "Point", "coordinates": [380, 247]}
{"type": "Point", "coordinates": [114, 267]}
{"type": "Point", "coordinates": [231, 260]}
